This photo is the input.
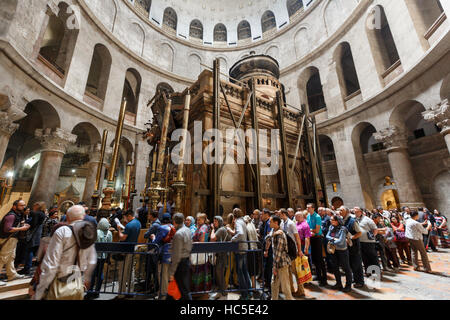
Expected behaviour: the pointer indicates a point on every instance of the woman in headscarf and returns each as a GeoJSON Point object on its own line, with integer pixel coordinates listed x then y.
{"type": "Point", "coordinates": [219, 234]}
{"type": "Point", "coordinates": [190, 223]}
{"type": "Point", "coordinates": [103, 235]}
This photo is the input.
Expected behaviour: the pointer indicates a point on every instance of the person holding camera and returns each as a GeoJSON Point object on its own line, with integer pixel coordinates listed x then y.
{"type": "Point", "coordinates": [10, 225]}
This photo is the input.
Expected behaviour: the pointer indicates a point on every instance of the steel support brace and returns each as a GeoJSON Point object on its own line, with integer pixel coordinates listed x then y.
{"type": "Point", "coordinates": [319, 162]}
{"type": "Point", "coordinates": [257, 180]}
{"type": "Point", "coordinates": [283, 141]}
{"type": "Point", "coordinates": [216, 123]}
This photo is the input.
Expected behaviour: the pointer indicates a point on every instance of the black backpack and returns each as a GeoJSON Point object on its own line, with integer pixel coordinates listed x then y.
{"type": "Point", "coordinates": [292, 248]}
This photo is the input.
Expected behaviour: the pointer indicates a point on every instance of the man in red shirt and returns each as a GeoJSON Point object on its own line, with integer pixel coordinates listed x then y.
{"type": "Point", "coordinates": [9, 227]}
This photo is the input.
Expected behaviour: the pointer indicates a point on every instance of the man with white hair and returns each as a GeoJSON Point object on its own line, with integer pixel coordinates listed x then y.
{"type": "Point", "coordinates": [61, 255]}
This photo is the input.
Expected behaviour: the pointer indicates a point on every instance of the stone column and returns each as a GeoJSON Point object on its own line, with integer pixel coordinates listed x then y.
{"type": "Point", "coordinates": [54, 143]}
{"type": "Point", "coordinates": [92, 166]}
{"type": "Point", "coordinates": [440, 115]}
{"type": "Point", "coordinates": [395, 140]}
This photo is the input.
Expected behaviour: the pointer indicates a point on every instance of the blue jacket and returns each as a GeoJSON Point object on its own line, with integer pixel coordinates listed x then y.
{"type": "Point", "coordinates": [340, 234]}
{"type": "Point", "coordinates": [153, 229]}
{"type": "Point", "coordinates": [163, 230]}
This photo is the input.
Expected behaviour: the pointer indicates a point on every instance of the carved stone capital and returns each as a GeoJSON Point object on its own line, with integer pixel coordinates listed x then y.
{"type": "Point", "coordinates": [440, 115]}
{"type": "Point", "coordinates": [55, 140]}
{"type": "Point", "coordinates": [393, 137]}
{"type": "Point", "coordinates": [7, 125]}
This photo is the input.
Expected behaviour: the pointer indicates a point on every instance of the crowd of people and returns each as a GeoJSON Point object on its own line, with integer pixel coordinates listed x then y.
{"type": "Point", "coordinates": [352, 240]}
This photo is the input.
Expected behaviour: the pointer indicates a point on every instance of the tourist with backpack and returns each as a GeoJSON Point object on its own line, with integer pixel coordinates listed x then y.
{"type": "Point", "coordinates": [69, 260]}
{"type": "Point", "coordinates": [338, 250]}
{"type": "Point", "coordinates": [10, 226]}
{"type": "Point", "coordinates": [163, 238]}
{"type": "Point", "coordinates": [281, 260]}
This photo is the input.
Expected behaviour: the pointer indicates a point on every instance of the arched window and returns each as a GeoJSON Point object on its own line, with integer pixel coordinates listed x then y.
{"type": "Point", "coordinates": [316, 100]}
{"type": "Point", "coordinates": [268, 21]}
{"type": "Point", "coordinates": [244, 30]}
{"type": "Point", "coordinates": [293, 6]}
{"type": "Point", "coordinates": [165, 87]}
{"type": "Point", "coordinates": [97, 82]}
{"type": "Point", "coordinates": [145, 4]}
{"type": "Point", "coordinates": [424, 13]}
{"type": "Point", "coordinates": [220, 33]}
{"type": "Point", "coordinates": [348, 78]}
{"type": "Point", "coordinates": [196, 30]}
{"type": "Point", "coordinates": [58, 42]}
{"type": "Point", "coordinates": [170, 18]}
{"type": "Point", "coordinates": [381, 40]}
{"type": "Point", "coordinates": [131, 91]}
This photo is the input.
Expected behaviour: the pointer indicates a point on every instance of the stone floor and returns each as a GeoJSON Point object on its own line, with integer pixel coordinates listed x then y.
{"type": "Point", "coordinates": [406, 284]}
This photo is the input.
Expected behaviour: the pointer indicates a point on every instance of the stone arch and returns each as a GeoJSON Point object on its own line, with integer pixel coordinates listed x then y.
{"type": "Point", "coordinates": [195, 65]}
{"type": "Point", "coordinates": [87, 134]}
{"type": "Point", "coordinates": [165, 87]}
{"type": "Point", "coordinates": [268, 21]}
{"type": "Point", "coordinates": [310, 88]}
{"type": "Point", "coordinates": [345, 68]}
{"type": "Point", "coordinates": [97, 82]}
{"type": "Point", "coordinates": [145, 4]}
{"type": "Point", "coordinates": [57, 44]}
{"type": "Point", "coordinates": [23, 144]}
{"type": "Point", "coordinates": [408, 115]}
{"type": "Point", "coordinates": [273, 51]}
{"type": "Point", "coordinates": [169, 54]}
{"type": "Point", "coordinates": [381, 40]}
{"type": "Point", "coordinates": [110, 15]}
{"type": "Point", "coordinates": [196, 29]}
{"type": "Point", "coordinates": [326, 148]}
{"type": "Point", "coordinates": [301, 42]}
{"type": "Point", "coordinates": [293, 6]}
{"type": "Point", "coordinates": [170, 19]}
{"type": "Point", "coordinates": [220, 33]}
{"type": "Point", "coordinates": [244, 30]}
{"type": "Point", "coordinates": [49, 115]}
{"type": "Point", "coordinates": [424, 14]}
{"type": "Point", "coordinates": [136, 38]}
{"type": "Point", "coordinates": [223, 66]}
{"type": "Point", "coordinates": [356, 137]}
{"type": "Point", "coordinates": [332, 15]}
{"type": "Point", "coordinates": [131, 91]}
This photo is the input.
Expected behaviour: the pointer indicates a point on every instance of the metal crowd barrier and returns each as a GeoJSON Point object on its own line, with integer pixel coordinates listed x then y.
{"type": "Point", "coordinates": [133, 269]}
{"type": "Point", "coordinates": [129, 269]}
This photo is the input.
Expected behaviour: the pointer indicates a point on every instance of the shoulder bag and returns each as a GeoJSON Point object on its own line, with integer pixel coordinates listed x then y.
{"type": "Point", "coordinates": [69, 287]}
